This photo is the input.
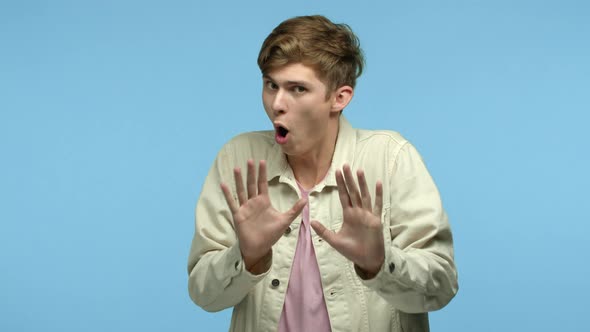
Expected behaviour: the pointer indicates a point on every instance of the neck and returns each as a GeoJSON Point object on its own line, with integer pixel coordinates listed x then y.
{"type": "Point", "coordinates": [311, 168]}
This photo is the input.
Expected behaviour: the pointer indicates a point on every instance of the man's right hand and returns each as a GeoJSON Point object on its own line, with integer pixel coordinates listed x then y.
{"type": "Point", "coordinates": [258, 225]}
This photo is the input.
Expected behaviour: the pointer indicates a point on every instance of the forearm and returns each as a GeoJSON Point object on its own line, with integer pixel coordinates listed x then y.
{"type": "Point", "coordinates": [415, 280]}
{"type": "Point", "coordinates": [219, 279]}
{"type": "Point", "coordinates": [418, 274]}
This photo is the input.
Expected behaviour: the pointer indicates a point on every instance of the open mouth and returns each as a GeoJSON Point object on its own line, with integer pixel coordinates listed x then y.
{"type": "Point", "coordinates": [281, 134]}
{"type": "Point", "coordinates": [282, 131]}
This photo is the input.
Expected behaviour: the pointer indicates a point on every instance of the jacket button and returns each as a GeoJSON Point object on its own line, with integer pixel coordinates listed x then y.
{"type": "Point", "coordinates": [275, 283]}
{"type": "Point", "coordinates": [391, 267]}
{"type": "Point", "coordinates": [288, 230]}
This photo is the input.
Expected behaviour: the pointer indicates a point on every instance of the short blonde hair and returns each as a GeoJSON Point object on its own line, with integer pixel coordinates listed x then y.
{"type": "Point", "coordinates": [333, 50]}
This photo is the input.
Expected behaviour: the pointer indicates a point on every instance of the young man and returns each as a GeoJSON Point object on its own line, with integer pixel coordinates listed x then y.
{"type": "Point", "coordinates": [335, 228]}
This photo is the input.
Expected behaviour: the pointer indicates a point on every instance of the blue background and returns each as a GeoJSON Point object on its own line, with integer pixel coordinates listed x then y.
{"type": "Point", "coordinates": [111, 113]}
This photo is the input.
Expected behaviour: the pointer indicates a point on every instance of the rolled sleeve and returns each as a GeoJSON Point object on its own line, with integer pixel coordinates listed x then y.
{"type": "Point", "coordinates": [418, 273]}
{"type": "Point", "coordinates": [218, 278]}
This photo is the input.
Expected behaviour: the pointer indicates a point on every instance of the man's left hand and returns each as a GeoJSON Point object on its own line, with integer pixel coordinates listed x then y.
{"type": "Point", "coordinates": [361, 237]}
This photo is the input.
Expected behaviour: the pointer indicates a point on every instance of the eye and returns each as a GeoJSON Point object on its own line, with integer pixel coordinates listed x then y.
{"type": "Point", "coordinates": [299, 89]}
{"type": "Point", "coordinates": [271, 85]}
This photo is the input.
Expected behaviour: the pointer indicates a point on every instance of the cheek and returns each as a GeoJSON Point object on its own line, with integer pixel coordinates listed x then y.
{"type": "Point", "coordinates": [266, 105]}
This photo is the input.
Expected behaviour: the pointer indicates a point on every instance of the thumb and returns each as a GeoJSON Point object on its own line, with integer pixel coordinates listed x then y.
{"type": "Point", "coordinates": [326, 234]}
{"type": "Point", "coordinates": [296, 209]}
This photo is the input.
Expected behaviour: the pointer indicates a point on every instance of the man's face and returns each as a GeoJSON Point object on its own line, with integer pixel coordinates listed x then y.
{"type": "Point", "coordinates": [295, 101]}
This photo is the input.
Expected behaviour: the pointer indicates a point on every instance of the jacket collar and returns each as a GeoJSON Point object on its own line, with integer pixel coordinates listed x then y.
{"type": "Point", "coordinates": [278, 166]}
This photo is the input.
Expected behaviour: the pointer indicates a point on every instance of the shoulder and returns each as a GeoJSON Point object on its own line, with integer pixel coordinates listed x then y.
{"type": "Point", "coordinates": [263, 138]}
{"type": "Point", "coordinates": [390, 148]}
{"type": "Point", "coordinates": [254, 144]}
{"type": "Point", "coordinates": [387, 145]}
{"type": "Point", "coordinates": [381, 139]}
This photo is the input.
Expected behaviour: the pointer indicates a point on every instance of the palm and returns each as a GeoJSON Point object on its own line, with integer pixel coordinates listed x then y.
{"type": "Point", "coordinates": [361, 237]}
{"type": "Point", "coordinates": [258, 224]}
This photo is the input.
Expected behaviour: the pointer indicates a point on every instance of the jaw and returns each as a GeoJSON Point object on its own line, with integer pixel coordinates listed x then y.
{"type": "Point", "coordinates": [309, 154]}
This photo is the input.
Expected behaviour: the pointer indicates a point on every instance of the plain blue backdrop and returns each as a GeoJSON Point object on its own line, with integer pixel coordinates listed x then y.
{"type": "Point", "coordinates": [111, 113]}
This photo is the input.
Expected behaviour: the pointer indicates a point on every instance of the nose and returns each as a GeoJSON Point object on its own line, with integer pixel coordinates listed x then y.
{"type": "Point", "coordinates": [279, 104]}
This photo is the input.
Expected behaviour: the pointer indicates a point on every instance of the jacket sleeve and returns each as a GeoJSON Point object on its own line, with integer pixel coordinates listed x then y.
{"type": "Point", "coordinates": [418, 274]}
{"type": "Point", "coordinates": [217, 275]}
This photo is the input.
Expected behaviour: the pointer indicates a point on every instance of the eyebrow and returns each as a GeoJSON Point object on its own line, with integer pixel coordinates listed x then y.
{"type": "Point", "coordinates": [288, 82]}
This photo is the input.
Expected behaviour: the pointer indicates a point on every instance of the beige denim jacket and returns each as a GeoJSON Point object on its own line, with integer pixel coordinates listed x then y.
{"type": "Point", "coordinates": [418, 274]}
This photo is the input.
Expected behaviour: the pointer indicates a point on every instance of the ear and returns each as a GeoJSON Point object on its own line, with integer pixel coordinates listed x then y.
{"type": "Point", "coordinates": [341, 97]}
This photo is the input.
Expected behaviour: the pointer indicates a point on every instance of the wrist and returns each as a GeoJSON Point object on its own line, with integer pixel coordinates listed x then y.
{"type": "Point", "coordinates": [366, 274]}
{"type": "Point", "coordinates": [369, 271]}
{"type": "Point", "coordinates": [258, 265]}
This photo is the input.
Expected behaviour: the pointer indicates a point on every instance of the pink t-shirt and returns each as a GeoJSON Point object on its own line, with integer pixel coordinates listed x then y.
{"type": "Point", "coordinates": [305, 307]}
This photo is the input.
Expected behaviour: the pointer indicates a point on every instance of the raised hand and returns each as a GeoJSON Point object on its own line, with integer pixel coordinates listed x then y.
{"type": "Point", "coordinates": [258, 225]}
{"type": "Point", "coordinates": [361, 237]}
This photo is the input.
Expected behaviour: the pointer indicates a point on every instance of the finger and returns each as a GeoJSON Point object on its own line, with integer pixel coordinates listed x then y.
{"type": "Point", "coordinates": [366, 196]}
{"type": "Point", "coordinates": [326, 234]}
{"type": "Point", "coordinates": [251, 179]}
{"type": "Point", "coordinates": [296, 209]}
{"type": "Point", "coordinates": [229, 199]}
{"type": "Point", "coordinates": [239, 186]}
{"type": "Point", "coordinates": [353, 192]}
{"type": "Point", "coordinates": [378, 199]}
{"type": "Point", "coordinates": [262, 184]}
{"type": "Point", "coordinates": [342, 192]}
